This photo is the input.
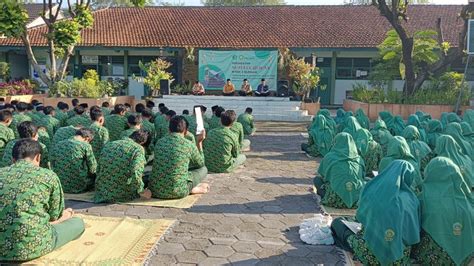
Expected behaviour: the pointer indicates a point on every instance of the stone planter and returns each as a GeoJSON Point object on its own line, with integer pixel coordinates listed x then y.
{"type": "Point", "coordinates": [372, 110]}
{"type": "Point", "coordinates": [53, 101]}
{"type": "Point", "coordinates": [312, 108]}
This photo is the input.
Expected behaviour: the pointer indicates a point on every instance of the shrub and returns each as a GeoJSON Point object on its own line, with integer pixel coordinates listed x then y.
{"type": "Point", "coordinates": [4, 71]}
{"type": "Point", "coordinates": [89, 86]}
{"type": "Point", "coordinates": [23, 87]}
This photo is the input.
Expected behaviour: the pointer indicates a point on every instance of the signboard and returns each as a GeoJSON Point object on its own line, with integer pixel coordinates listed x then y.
{"type": "Point", "coordinates": [215, 67]}
{"type": "Point", "coordinates": [470, 37]}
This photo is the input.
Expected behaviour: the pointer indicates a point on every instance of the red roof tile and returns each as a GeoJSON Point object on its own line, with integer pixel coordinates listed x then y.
{"type": "Point", "coordinates": [252, 27]}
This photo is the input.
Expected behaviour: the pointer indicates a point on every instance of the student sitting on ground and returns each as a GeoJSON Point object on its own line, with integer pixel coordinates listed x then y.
{"type": "Point", "coordinates": [63, 133]}
{"type": "Point", "coordinates": [116, 123]}
{"type": "Point", "coordinates": [414, 120]}
{"type": "Point", "coordinates": [363, 120]}
{"type": "Point", "coordinates": [101, 134]}
{"type": "Point", "coordinates": [352, 126]}
{"type": "Point", "coordinates": [134, 123]}
{"type": "Point", "coordinates": [37, 114]}
{"type": "Point", "coordinates": [147, 116]}
{"type": "Point", "coordinates": [178, 169]}
{"type": "Point", "coordinates": [33, 221]}
{"type": "Point", "coordinates": [379, 129]}
{"type": "Point", "coordinates": [6, 133]}
{"type": "Point", "coordinates": [434, 131]}
{"type": "Point", "coordinates": [222, 147]}
{"type": "Point", "coordinates": [192, 119]}
{"type": "Point", "coordinates": [389, 212]}
{"type": "Point", "coordinates": [320, 138]}
{"type": "Point", "coordinates": [49, 121]}
{"type": "Point", "coordinates": [121, 167]}
{"type": "Point", "coordinates": [74, 102]}
{"type": "Point", "coordinates": [467, 132]}
{"type": "Point", "coordinates": [215, 120]}
{"type": "Point", "coordinates": [369, 149]}
{"type": "Point", "coordinates": [342, 173]}
{"type": "Point", "coordinates": [74, 162]}
{"type": "Point", "coordinates": [61, 114]}
{"type": "Point", "coordinates": [238, 129]}
{"type": "Point", "coordinates": [160, 119]}
{"type": "Point", "coordinates": [454, 130]}
{"type": "Point", "coordinates": [419, 149]}
{"type": "Point", "coordinates": [164, 126]}
{"type": "Point", "coordinates": [246, 119]}
{"type": "Point", "coordinates": [105, 108]}
{"type": "Point", "coordinates": [19, 117]}
{"type": "Point", "coordinates": [26, 130]}
{"type": "Point", "coordinates": [79, 118]}
{"type": "Point", "coordinates": [447, 216]}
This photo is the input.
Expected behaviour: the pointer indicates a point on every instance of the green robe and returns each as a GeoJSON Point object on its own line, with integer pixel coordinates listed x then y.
{"type": "Point", "coordinates": [454, 130]}
{"type": "Point", "coordinates": [469, 117]}
{"type": "Point", "coordinates": [369, 149]}
{"type": "Point", "coordinates": [30, 201]}
{"type": "Point", "coordinates": [352, 126]}
{"type": "Point", "coordinates": [413, 120]}
{"type": "Point", "coordinates": [419, 149]}
{"type": "Point", "coordinates": [221, 148]}
{"type": "Point", "coordinates": [62, 117]}
{"type": "Point", "coordinates": [435, 130]}
{"type": "Point", "coordinates": [378, 128]}
{"type": "Point", "coordinates": [320, 137]}
{"type": "Point", "coordinates": [362, 118]}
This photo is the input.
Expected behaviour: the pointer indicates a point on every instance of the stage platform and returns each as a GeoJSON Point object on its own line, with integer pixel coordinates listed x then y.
{"type": "Point", "coordinates": [264, 108]}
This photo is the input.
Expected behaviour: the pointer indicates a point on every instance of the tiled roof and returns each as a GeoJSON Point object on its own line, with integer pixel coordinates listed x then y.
{"type": "Point", "coordinates": [34, 11]}
{"type": "Point", "coordinates": [252, 27]}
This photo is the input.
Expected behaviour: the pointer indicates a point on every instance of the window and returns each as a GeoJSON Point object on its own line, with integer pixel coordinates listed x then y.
{"type": "Point", "coordinates": [353, 68]}
{"type": "Point", "coordinates": [111, 65]}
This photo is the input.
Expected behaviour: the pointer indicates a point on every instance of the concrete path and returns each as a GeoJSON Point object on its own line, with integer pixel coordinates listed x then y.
{"type": "Point", "coordinates": [250, 217]}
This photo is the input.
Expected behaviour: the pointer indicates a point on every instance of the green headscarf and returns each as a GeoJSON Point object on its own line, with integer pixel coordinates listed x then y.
{"type": "Point", "coordinates": [455, 131]}
{"type": "Point", "coordinates": [414, 121]}
{"type": "Point", "coordinates": [344, 169]}
{"type": "Point", "coordinates": [444, 119]}
{"type": "Point", "coordinates": [362, 118]}
{"type": "Point", "coordinates": [390, 212]}
{"type": "Point", "coordinates": [453, 117]}
{"type": "Point", "coordinates": [322, 135]}
{"type": "Point", "coordinates": [340, 116]}
{"type": "Point", "coordinates": [469, 117]}
{"type": "Point", "coordinates": [398, 125]}
{"type": "Point", "coordinates": [423, 116]}
{"type": "Point", "coordinates": [387, 117]}
{"type": "Point", "coordinates": [467, 132]}
{"type": "Point", "coordinates": [398, 149]}
{"type": "Point", "coordinates": [385, 137]}
{"type": "Point", "coordinates": [418, 148]}
{"type": "Point", "coordinates": [447, 212]}
{"type": "Point", "coordinates": [362, 140]}
{"type": "Point", "coordinates": [352, 126]}
{"type": "Point", "coordinates": [447, 147]}
{"type": "Point", "coordinates": [327, 114]}
{"type": "Point", "coordinates": [379, 127]}
{"type": "Point", "coordinates": [435, 130]}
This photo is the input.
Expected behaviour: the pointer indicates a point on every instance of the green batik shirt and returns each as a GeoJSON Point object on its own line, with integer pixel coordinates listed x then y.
{"type": "Point", "coordinates": [119, 176]}
{"type": "Point", "coordinates": [31, 197]}
{"type": "Point", "coordinates": [36, 117]}
{"type": "Point", "coordinates": [50, 123]}
{"type": "Point", "coordinates": [189, 136]}
{"type": "Point", "coordinates": [115, 124]}
{"type": "Point", "coordinates": [150, 128]}
{"type": "Point", "coordinates": [105, 111]}
{"type": "Point", "coordinates": [63, 133]}
{"type": "Point", "coordinates": [247, 123]}
{"type": "Point", "coordinates": [101, 137]}
{"type": "Point", "coordinates": [174, 156]}
{"type": "Point", "coordinates": [6, 135]}
{"type": "Point", "coordinates": [18, 119]}
{"type": "Point", "coordinates": [43, 138]}
{"type": "Point", "coordinates": [193, 124]}
{"type": "Point", "coordinates": [61, 116]}
{"type": "Point", "coordinates": [214, 122]}
{"type": "Point", "coordinates": [7, 158]}
{"type": "Point", "coordinates": [238, 130]}
{"type": "Point", "coordinates": [127, 133]}
{"type": "Point", "coordinates": [161, 127]}
{"type": "Point", "coordinates": [75, 164]}
{"type": "Point", "coordinates": [78, 120]}
{"type": "Point", "coordinates": [221, 147]}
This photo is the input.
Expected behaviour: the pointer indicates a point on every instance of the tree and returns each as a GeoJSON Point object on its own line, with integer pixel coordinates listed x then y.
{"type": "Point", "coordinates": [242, 2]}
{"type": "Point", "coordinates": [305, 76]}
{"type": "Point", "coordinates": [396, 13]}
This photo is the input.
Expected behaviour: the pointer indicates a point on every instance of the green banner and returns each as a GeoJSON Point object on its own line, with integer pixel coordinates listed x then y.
{"type": "Point", "coordinates": [215, 67]}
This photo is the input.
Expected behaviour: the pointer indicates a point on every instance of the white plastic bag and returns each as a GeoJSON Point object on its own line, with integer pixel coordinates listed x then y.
{"type": "Point", "coordinates": [317, 230]}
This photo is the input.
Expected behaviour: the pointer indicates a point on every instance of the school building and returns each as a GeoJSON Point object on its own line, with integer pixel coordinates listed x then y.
{"type": "Point", "coordinates": [343, 39]}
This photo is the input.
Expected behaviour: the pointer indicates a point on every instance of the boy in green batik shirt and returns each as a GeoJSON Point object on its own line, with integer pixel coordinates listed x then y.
{"type": "Point", "coordinates": [160, 119]}
{"type": "Point", "coordinates": [222, 147]}
{"type": "Point", "coordinates": [6, 133]}
{"type": "Point", "coordinates": [78, 119]}
{"type": "Point", "coordinates": [116, 123]}
{"type": "Point", "coordinates": [37, 114]}
{"type": "Point", "coordinates": [101, 134]}
{"type": "Point", "coordinates": [19, 117]}
{"type": "Point", "coordinates": [61, 114]}
{"type": "Point", "coordinates": [33, 221]}
{"type": "Point", "coordinates": [215, 120]}
{"type": "Point", "coordinates": [238, 129]}
{"type": "Point", "coordinates": [105, 109]}
{"type": "Point", "coordinates": [134, 123]}
{"type": "Point", "coordinates": [74, 162]}
{"type": "Point", "coordinates": [149, 127]}
{"type": "Point", "coordinates": [192, 120]}
{"type": "Point", "coordinates": [75, 103]}
{"type": "Point", "coordinates": [116, 183]}
{"type": "Point", "coordinates": [26, 130]}
{"type": "Point", "coordinates": [49, 121]}
{"type": "Point", "coordinates": [246, 119]}
{"type": "Point", "coordinates": [63, 133]}
{"type": "Point", "coordinates": [178, 168]}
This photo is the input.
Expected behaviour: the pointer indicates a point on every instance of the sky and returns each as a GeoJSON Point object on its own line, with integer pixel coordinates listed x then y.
{"type": "Point", "coordinates": [323, 2]}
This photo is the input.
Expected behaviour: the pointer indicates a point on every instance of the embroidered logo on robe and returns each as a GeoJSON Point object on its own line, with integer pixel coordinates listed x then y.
{"type": "Point", "coordinates": [457, 229]}
{"type": "Point", "coordinates": [389, 235]}
{"type": "Point", "coordinates": [349, 186]}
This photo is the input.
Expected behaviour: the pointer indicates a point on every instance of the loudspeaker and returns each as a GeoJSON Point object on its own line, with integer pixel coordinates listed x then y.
{"type": "Point", "coordinates": [283, 88]}
{"type": "Point", "coordinates": [165, 87]}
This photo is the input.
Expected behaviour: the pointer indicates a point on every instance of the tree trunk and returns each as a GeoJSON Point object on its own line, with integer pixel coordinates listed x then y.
{"type": "Point", "coordinates": [32, 59]}
{"type": "Point", "coordinates": [407, 51]}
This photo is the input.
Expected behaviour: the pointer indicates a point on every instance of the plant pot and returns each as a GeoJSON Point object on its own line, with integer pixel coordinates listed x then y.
{"type": "Point", "coordinates": [312, 108]}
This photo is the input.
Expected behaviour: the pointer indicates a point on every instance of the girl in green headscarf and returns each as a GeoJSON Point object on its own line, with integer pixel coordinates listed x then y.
{"type": "Point", "coordinates": [362, 118]}
{"type": "Point", "coordinates": [447, 216]}
{"type": "Point", "coordinates": [339, 116]}
{"type": "Point", "coordinates": [467, 132]}
{"type": "Point", "coordinates": [454, 130]}
{"type": "Point", "coordinates": [351, 126]}
{"type": "Point", "coordinates": [447, 147]}
{"type": "Point", "coordinates": [369, 149]}
{"type": "Point", "coordinates": [419, 149]}
{"type": "Point", "coordinates": [435, 130]}
{"type": "Point", "coordinates": [342, 173]}
{"type": "Point", "coordinates": [398, 125]}
{"type": "Point", "coordinates": [379, 127]}
{"type": "Point", "coordinates": [320, 138]}
{"type": "Point", "coordinates": [469, 117]}
{"type": "Point", "coordinates": [444, 119]}
{"type": "Point", "coordinates": [385, 138]}
{"type": "Point", "coordinates": [387, 117]}
{"type": "Point", "coordinates": [390, 215]}
{"type": "Point", "coordinates": [327, 114]}
{"type": "Point", "coordinates": [398, 149]}
{"type": "Point", "coordinates": [453, 117]}
{"type": "Point", "coordinates": [414, 121]}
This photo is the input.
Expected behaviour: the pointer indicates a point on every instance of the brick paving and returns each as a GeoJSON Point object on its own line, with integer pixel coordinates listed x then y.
{"type": "Point", "coordinates": [250, 217]}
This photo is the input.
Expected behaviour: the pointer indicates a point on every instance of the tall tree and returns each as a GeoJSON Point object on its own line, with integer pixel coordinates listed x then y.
{"type": "Point", "coordinates": [242, 2]}
{"type": "Point", "coordinates": [396, 14]}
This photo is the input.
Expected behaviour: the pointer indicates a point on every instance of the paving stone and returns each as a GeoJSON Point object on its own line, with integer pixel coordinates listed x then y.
{"type": "Point", "coordinates": [219, 251]}
{"type": "Point", "coordinates": [243, 259]}
{"type": "Point", "coordinates": [272, 224]}
{"type": "Point", "coordinates": [271, 243]}
{"type": "Point", "coordinates": [161, 259]}
{"type": "Point", "coordinates": [248, 236]}
{"type": "Point", "coordinates": [197, 244]}
{"type": "Point", "coordinates": [246, 247]}
{"type": "Point", "coordinates": [170, 248]}
{"type": "Point", "coordinates": [223, 241]}
{"type": "Point", "coordinates": [295, 250]}
{"type": "Point", "coordinates": [253, 218]}
{"type": "Point", "coordinates": [191, 256]}
{"type": "Point", "coordinates": [227, 229]}
{"type": "Point", "coordinates": [213, 261]}
{"type": "Point", "coordinates": [250, 227]}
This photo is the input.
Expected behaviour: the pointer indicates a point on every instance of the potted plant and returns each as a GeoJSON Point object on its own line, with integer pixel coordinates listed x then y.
{"type": "Point", "coordinates": [155, 72]}
{"type": "Point", "coordinates": [305, 79]}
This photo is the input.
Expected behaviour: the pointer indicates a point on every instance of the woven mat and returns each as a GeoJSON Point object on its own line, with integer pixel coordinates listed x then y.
{"type": "Point", "coordinates": [110, 241]}
{"type": "Point", "coordinates": [183, 203]}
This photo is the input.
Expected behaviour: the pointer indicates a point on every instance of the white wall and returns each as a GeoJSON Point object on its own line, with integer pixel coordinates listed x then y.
{"type": "Point", "coordinates": [343, 85]}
